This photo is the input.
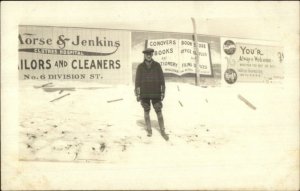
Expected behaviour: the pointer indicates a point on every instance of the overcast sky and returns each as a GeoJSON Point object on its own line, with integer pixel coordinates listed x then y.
{"type": "Point", "coordinates": [261, 20]}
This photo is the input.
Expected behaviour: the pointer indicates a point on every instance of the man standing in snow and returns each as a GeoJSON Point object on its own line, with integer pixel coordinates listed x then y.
{"type": "Point", "coordinates": [150, 86]}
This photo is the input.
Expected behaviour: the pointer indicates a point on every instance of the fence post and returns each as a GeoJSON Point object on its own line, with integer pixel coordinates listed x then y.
{"type": "Point", "coordinates": [197, 53]}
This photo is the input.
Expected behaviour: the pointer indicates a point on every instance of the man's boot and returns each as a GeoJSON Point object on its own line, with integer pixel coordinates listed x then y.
{"type": "Point", "coordinates": [162, 125]}
{"type": "Point", "coordinates": [148, 124]}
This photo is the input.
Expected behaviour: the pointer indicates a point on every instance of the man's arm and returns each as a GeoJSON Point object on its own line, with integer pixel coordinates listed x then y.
{"type": "Point", "coordinates": [137, 83]}
{"type": "Point", "coordinates": [162, 82]}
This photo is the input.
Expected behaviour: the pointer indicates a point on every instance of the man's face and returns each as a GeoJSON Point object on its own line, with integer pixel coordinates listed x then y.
{"type": "Point", "coordinates": [148, 56]}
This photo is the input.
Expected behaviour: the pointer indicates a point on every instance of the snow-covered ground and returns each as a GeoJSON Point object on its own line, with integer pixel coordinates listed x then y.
{"type": "Point", "coordinates": [210, 129]}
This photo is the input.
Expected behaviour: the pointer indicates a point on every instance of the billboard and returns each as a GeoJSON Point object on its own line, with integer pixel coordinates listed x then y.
{"type": "Point", "coordinates": [187, 58]}
{"type": "Point", "coordinates": [111, 56]}
{"type": "Point", "coordinates": [166, 53]}
{"type": "Point", "coordinates": [245, 60]}
{"type": "Point", "coordinates": [63, 53]}
{"type": "Point", "coordinates": [176, 54]}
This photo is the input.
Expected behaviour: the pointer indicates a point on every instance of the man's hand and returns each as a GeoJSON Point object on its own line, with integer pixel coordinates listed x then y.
{"type": "Point", "coordinates": [137, 94]}
{"type": "Point", "coordinates": [162, 96]}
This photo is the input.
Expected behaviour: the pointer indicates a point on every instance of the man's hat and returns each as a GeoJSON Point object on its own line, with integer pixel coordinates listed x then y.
{"type": "Point", "coordinates": [148, 50]}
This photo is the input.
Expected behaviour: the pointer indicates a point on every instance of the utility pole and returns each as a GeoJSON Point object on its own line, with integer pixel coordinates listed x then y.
{"type": "Point", "coordinates": [197, 53]}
